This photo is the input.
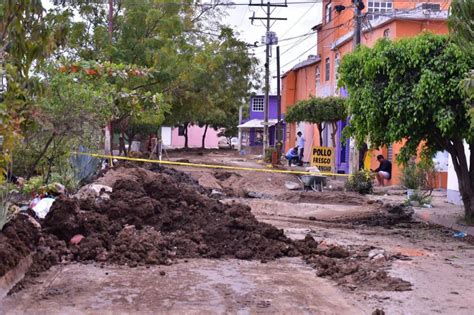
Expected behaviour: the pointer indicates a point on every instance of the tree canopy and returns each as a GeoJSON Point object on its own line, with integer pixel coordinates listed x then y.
{"type": "Point", "coordinates": [409, 90]}
{"type": "Point", "coordinates": [319, 110]}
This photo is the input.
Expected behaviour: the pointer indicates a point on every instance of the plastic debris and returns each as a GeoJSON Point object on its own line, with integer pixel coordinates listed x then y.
{"type": "Point", "coordinates": [42, 207]}
{"type": "Point", "coordinates": [460, 234]}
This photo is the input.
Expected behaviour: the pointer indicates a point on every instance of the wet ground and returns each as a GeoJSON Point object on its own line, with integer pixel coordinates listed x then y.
{"type": "Point", "coordinates": [439, 267]}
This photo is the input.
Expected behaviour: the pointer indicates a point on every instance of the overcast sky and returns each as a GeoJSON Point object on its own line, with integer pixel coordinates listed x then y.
{"type": "Point", "coordinates": [301, 18]}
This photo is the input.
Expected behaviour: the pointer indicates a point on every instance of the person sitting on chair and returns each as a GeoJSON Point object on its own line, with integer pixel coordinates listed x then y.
{"type": "Point", "coordinates": [384, 171]}
{"type": "Point", "coordinates": [292, 156]}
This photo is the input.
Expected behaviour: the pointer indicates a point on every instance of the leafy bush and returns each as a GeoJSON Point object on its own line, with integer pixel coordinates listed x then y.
{"type": "Point", "coordinates": [33, 185]}
{"type": "Point", "coordinates": [418, 176]}
{"type": "Point", "coordinates": [6, 212]}
{"type": "Point", "coordinates": [268, 155]}
{"type": "Point", "coordinates": [418, 198]}
{"type": "Point", "coordinates": [361, 182]}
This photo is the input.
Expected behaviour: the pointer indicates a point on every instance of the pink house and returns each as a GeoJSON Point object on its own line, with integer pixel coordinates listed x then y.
{"type": "Point", "coordinates": [173, 137]}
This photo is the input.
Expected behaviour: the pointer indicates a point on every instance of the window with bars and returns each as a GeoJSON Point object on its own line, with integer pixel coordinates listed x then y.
{"type": "Point", "coordinates": [327, 70]}
{"type": "Point", "coordinates": [318, 77]}
{"type": "Point", "coordinates": [328, 12]}
{"type": "Point", "coordinates": [258, 103]}
{"type": "Point", "coordinates": [378, 8]}
{"type": "Point", "coordinates": [390, 153]}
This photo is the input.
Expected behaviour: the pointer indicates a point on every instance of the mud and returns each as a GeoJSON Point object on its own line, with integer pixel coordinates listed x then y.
{"type": "Point", "coordinates": [18, 239]}
{"type": "Point", "coordinates": [159, 216]}
{"type": "Point", "coordinates": [387, 215]}
{"type": "Point", "coordinates": [223, 175]}
{"type": "Point", "coordinates": [328, 197]}
{"type": "Point", "coordinates": [156, 218]}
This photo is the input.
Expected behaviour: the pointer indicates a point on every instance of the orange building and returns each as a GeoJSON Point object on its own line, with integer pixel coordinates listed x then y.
{"type": "Point", "coordinates": [318, 75]}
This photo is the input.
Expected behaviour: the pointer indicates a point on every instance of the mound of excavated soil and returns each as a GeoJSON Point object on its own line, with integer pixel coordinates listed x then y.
{"type": "Point", "coordinates": [18, 239]}
{"type": "Point", "coordinates": [153, 218]}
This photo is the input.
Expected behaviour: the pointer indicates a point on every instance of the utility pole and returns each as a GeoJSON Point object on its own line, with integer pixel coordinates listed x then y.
{"type": "Point", "coordinates": [270, 39]}
{"type": "Point", "coordinates": [358, 7]}
{"type": "Point", "coordinates": [279, 135]}
{"type": "Point", "coordinates": [353, 151]}
{"type": "Point", "coordinates": [108, 128]}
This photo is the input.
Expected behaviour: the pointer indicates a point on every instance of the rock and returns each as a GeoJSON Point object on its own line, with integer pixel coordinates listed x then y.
{"type": "Point", "coordinates": [375, 252]}
{"type": "Point", "coordinates": [76, 239]}
{"type": "Point", "coordinates": [312, 218]}
{"type": "Point", "coordinates": [292, 185]}
{"type": "Point", "coordinates": [162, 273]}
{"type": "Point", "coordinates": [378, 258]}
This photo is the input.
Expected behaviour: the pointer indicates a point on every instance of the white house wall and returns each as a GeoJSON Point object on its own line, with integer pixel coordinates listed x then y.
{"type": "Point", "coordinates": [453, 187]}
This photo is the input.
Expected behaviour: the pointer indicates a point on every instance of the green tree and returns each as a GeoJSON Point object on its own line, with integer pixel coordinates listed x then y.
{"type": "Point", "coordinates": [27, 36]}
{"type": "Point", "coordinates": [319, 111]}
{"type": "Point", "coordinates": [69, 112]}
{"type": "Point", "coordinates": [409, 90]}
{"type": "Point", "coordinates": [461, 26]}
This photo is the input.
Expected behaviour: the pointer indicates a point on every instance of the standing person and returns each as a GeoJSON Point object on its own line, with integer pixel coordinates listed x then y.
{"type": "Point", "coordinates": [384, 171]}
{"type": "Point", "coordinates": [300, 144]}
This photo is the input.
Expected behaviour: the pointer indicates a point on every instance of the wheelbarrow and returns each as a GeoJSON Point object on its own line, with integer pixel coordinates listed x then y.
{"type": "Point", "coordinates": [313, 182]}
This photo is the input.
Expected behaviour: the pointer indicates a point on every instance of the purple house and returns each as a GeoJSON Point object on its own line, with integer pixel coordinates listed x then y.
{"type": "Point", "coordinates": [251, 129]}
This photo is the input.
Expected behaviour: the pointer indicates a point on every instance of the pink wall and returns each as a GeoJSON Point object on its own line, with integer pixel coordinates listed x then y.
{"type": "Point", "coordinates": [195, 138]}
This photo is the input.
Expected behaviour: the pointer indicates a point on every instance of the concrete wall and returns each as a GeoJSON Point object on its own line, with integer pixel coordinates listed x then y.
{"type": "Point", "coordinates": [195, 138]}
{"type": "Point", "coordinates": [166, 135]}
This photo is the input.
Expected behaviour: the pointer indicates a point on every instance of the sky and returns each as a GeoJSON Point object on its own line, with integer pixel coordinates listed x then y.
{"type": "Point", "coordinates": [301, 17]}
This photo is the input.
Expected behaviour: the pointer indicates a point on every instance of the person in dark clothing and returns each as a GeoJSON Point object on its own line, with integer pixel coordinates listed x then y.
{"type": "Point", "coordinates": [384, 171]}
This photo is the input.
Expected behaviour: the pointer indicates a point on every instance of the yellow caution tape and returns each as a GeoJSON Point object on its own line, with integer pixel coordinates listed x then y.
{"type": "Point", "coordinates": [265, 170]}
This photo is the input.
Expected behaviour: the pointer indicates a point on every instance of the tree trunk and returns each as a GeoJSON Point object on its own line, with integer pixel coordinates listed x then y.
{"type": "Point", "coordinates": [333, 134]}
{"type": "Point", "coordinates": [465, 176]}
{"type": "Point", "coordinates": [203, 145]}
{"type": "Point", "coordinates": [38, 158]}
{"type": "Point", "coordinates": [186, 136]}
{"type": "Point", "coordinates": [320, 129]}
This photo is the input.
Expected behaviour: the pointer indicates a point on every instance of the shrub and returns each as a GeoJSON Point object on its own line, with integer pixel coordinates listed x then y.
{"type": "Point", "coordinates": [418, 176]}
{"type": "Point", "coordinates": [6, 209]}
{"type": "Point", "coordinates": [361, 182]}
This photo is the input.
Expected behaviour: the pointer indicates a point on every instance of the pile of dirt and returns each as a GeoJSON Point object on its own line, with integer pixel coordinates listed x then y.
{"type": "Point", "coordinates": [357, 268]}
{"type": "Point", "coordinates": [154, 218]}
{"type": "Point", "coordinates": [388, 215]}
{"type": "Point", "coordinates": [328, 197]}
{"type": "Point", "coordinates": [223, 175]}
{"type": "Point", "coordinates": [18, 239]}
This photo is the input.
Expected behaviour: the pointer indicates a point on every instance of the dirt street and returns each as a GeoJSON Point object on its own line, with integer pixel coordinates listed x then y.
{"type": "Point", "coordinates": [438, 268]}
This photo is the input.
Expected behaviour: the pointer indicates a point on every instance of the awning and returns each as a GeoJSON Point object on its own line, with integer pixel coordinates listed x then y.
{"type": "Point", "coordinates": [257, 123]}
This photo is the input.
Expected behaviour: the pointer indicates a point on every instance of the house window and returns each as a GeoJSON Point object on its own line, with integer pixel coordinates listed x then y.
{"type": "Point", "coordinates": [328, 12]}
{"type": "Point", "coordinates": [379, 8]}
{"type": "Point", "coordinates": [386, 33]}
{"type": "Point", "coordinates": [318, 77]}
{"type": "Point", "coordinates": [336, 67]}
{"type": "Point", "coordinates": [328, 70]}
{"type": "Point", "coordinates": [181, 130]}
{"type": "Point", "coordinates": [258, 104]}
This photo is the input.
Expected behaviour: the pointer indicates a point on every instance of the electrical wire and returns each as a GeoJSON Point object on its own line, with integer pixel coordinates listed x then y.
{"type": "Point", "coordinates": [299, 19]}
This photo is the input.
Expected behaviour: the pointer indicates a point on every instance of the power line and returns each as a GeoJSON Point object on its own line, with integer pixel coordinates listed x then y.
{"type": "Point", "coordinates": [313, 46]}
{"type": "Point", "coordinates": [289, 38]}
{"type": "Point", "coordinates": [299, 19]}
